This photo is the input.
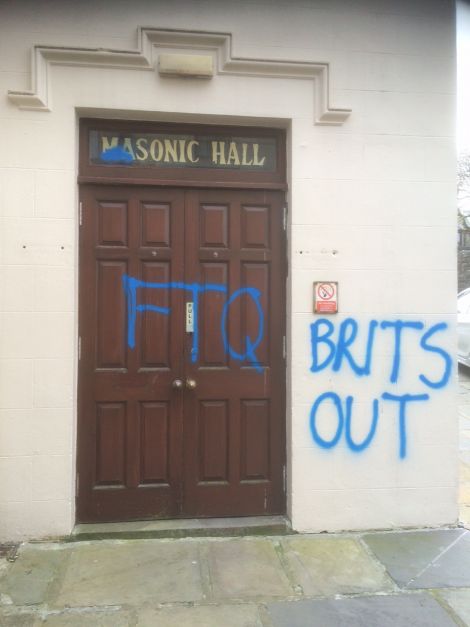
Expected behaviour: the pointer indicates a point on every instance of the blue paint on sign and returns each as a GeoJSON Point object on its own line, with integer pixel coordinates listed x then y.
{"type": "Point", "coordinates": [116, 154]}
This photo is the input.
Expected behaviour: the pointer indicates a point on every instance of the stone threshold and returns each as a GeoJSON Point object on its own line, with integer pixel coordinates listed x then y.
{"type": "Point", "coordinates": [183, 528]}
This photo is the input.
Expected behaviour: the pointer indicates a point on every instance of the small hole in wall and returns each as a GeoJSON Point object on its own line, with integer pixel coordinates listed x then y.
{"type": "Point", "coordinates": [24, 245]}
{"type": "Point", "coordinates": [62, 247]}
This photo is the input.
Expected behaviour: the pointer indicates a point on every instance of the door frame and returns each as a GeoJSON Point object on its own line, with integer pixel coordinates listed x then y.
{"type": "Point", "coordinates": [249, 181]}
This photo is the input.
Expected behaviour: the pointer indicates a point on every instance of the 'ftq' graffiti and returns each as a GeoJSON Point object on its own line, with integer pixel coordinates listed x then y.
{"type": "Point", "coordinates": [132, 287]}
{"type": "Point", "coordinates": [336, 348]}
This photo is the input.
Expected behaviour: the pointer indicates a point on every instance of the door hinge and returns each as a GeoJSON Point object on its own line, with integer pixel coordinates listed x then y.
{"type": "Point", "coordinates": [284, 217]}
{"type": "Point", "coordinates": [284, 478]}
{"type": "Point", "coordinates": [79, 348]}
{"type": "Point", "coordinates": [77, 485]}
{"type": "Point", "coordinates": [284, 346]}
{"type": "Point", "coordinates": [80, 213]}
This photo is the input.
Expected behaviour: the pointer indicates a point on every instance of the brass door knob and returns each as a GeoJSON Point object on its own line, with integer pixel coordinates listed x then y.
{"type": "Point", "coordinates": [191, 384]}
{"type": "Point", "coordinates": [177, 384]}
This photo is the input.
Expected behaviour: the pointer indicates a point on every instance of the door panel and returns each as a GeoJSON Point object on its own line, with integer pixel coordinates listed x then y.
{"type": "Point", "coordinates": [145, 448]}
{"type": "Point", "coordinates": [130, 421]}
{"type": "Point", "coordinates": [154, 443]}
{"type": "Point", "coordinates": [234, 417]}
{"type": "Point", "coordinates": [110, 444]}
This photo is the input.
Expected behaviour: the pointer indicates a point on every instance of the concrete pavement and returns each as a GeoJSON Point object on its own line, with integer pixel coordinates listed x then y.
{"type": "Point", "coordinates": [419, 578]}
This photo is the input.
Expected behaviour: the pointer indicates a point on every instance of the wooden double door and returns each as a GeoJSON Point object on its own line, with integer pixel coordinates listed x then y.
{"type": "Point", "coordinates": [181, 369]}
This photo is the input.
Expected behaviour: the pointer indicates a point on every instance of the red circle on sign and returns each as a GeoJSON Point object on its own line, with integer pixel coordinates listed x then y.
{"type": "Point", "coordinates": [325, 291]}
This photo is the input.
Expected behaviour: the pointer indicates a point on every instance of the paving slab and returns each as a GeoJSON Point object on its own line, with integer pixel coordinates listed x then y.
{"type": "Point", "coordinates": [69, 618]}
{"type": "Point", "coordinates": [132, 571]}
{"type": "Point", "coordinates": [29, 578]}
{"type": "Point", "coordinates": [201, 616]}
{"type": "Point", "coordinates": [83, 618]}
{"type": "Point", "coordinates": [9, 619]}
{"type": "Point", "coordinates": [246, 568]}
{"type": "Point", "coordinates": [403, 610]}
{"type": "Point", "coordinates": [459, 601]}
{"type": "Point", "coordinates": [450, 569]}
{"type": "Point", "coordinates": [407, 554]}
{"type": "Point", "coordinates": [325, 566]}
{"type": "Point", "coordinates": [89, 618]}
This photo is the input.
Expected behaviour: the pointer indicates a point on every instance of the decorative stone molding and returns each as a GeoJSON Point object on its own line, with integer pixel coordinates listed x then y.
{"type": "Point", "coordinates": [150, 42]}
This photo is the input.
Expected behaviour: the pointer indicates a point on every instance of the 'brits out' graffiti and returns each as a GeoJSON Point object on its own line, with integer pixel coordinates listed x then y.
{"type": "Point", "coordinates": [332, 348]}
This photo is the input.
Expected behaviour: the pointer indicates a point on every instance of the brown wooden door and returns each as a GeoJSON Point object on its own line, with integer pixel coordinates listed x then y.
{"type": "Point", "coordinates": [180, 420]}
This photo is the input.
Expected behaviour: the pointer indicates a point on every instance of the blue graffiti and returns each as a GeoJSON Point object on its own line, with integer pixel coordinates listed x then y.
{"type": "Point", "coordinates": [313, 416]}
{"type": "Point", "coordinates": [116, 154]}
{"type": "Point", "coordinates": [131, 286]}
{"type": "Point", "coordinates": [398, 326]}
{"type": "Point", "coordinates": [344, 421]}
{"type": "Point", "coordinates": [357, 448]}
{"type": "Point", "coordinates": [344, 415]}
{"type": "Point", "coordinates": [442, 326]}
{"type": "Point", "coordinates": [250, 346]}
{"type": "Point", "coordinates": [336, 347]}
{"type": "Point", "coordinates": [339, 351]}
{"type": "Point", "coordinates": [402, 401]}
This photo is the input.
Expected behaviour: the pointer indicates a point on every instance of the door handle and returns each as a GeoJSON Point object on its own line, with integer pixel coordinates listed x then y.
{"type": "Point", "coordinates": [177, 384]}
{"type": "Point", "coordinates": [191, 384]}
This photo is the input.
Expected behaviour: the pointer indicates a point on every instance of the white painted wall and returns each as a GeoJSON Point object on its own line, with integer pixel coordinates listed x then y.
{"type": "Point", "coordinates": [372, 205]}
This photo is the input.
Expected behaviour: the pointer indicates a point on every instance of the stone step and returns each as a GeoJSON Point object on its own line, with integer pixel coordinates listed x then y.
{"type": "Point", "coordinates": [182, 528]}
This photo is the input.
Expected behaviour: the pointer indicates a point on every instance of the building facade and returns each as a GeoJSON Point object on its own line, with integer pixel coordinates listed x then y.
{"type": "Point", "coordinates": [228, 263]}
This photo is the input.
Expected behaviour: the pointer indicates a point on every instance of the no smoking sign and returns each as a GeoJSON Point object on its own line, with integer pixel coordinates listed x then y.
{"type": "Point", "coordinates": [325, 297]}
